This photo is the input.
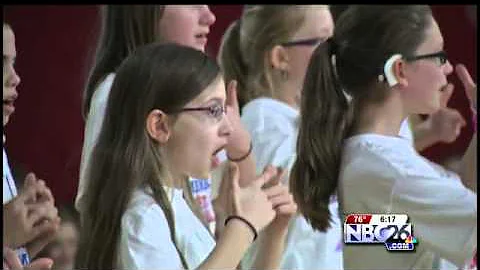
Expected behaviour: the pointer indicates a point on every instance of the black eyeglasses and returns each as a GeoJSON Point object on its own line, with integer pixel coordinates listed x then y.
{"type": "Point", "coordinates": [303, 42]}
{"type": "Point", "coordinates": [215, 111]}
{"type": "Point", "coordinates": [441, 56]}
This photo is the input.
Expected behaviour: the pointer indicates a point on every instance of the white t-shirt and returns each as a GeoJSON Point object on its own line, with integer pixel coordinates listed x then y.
{"type": "Point", "coordinates": [93, 126]}
{"type": "Point", "coordinates": [145, 241]}
{"type": "Point", "coordinates": [384, 174]}
{"type": "Point", "coordinates": [273, 126]}
{"type": "Point", "coordinates": [9, 188]}
{"type": "Point", "coordinates": [406, 131]}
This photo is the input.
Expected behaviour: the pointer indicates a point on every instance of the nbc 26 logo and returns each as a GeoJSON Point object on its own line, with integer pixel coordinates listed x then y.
{"type": "Point", "coordinates": [391, 229]}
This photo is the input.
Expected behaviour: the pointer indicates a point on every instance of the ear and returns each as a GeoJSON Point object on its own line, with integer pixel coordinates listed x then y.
{"type": "Point", "coordinates": [398, 70]}
{"type": "Point", "coordinates": [157, 125]}
{"type": "Point", "coordinates": [279, 58]}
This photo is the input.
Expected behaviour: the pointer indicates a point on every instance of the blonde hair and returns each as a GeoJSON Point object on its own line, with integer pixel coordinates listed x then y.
{"type": "Point", "coordinates": [244, 50]}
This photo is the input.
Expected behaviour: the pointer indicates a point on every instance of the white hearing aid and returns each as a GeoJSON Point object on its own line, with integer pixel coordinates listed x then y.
{"type": "Point", "coordinates": [388, 70]}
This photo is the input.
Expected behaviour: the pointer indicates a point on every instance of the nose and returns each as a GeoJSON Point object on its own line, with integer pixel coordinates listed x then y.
{"type": "Point", "coordinates": [226, 127]}
{"type": "Point", "coordinates": [447, 68]}
{"type": "Point", "coordinates": [13, 80]}
{"type": "Point", "coordinates": [207, 17]}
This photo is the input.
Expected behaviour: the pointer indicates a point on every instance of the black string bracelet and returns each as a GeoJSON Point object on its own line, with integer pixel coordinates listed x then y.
{"type": "Point", "coordinates": [255, 234]}
{"type": "Point", "coordinates": [242, 157]}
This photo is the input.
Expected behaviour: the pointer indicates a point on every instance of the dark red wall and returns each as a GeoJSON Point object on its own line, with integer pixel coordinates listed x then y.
{"type": "Point", "coordinates": [459, 32]}
{"type": "Point", "coordinates": [54, 45]}
{"type": "Point", "coordinates": [45, 133]}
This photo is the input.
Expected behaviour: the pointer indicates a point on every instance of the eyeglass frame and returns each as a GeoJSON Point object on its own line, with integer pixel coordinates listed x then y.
{"type": "Point", "coordinates": [304, 42]}
{"type": "Point", "coordinates": [210, 109]}
{"type": "Point", "coordinates": [441, 55]}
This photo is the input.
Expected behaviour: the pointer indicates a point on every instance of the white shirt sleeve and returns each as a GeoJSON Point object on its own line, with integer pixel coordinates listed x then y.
{"type": "Point", "coordinates": [92, 130]}
{"type": "Point", "coordinates": [9, 188]}
{"type": "Point", "coordinates": [145, 241]}
{"type": "Point", "coordinates": [272, 127]}
{"type": "Point", "coordinates": [443, 212]}
{"type": "Point", "coordinates": [275, 148]}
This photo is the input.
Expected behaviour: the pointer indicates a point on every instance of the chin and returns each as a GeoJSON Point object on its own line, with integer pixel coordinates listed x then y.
{"type": "Point", "coordinates": [432, 108]}
{"type": "Point", "coordinates": [429, 110]}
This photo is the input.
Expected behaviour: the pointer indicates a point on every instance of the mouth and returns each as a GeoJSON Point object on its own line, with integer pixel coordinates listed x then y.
{"type": "Point", "coordinates": [215, 161]}
{"type": "Point", "coordinates": [8, 105]}
{"type": "Point", "coordinates": [202, 37]}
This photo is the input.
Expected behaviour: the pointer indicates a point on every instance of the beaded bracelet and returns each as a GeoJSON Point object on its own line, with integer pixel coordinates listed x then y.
{"type": "Point", "coordinates": [242, 157]}
{"type": "Point", "coordinates": [255, 234]}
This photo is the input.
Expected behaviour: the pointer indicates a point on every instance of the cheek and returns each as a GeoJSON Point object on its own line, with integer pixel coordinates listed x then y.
{"type": "Point", "coordinates": [424, 92]}
{"type": "Point", "coordinates": [184, 38]}
{"type": "Point", "coordinates": [429, 82]}
{"type": "Point", "coordinates": [300, 64]}
{"type": "Point", "coordinates": [175, 35]}
{"type": "Point", "coordinates": [6, 75]}
{"type": "Point", "coordinates": [179, 30]}
{"type": "Point", "coordinates": [192, 152]}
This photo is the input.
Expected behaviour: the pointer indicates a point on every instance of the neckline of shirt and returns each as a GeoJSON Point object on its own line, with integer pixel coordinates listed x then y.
{"type": "Point", "coordinates": [273, 104]}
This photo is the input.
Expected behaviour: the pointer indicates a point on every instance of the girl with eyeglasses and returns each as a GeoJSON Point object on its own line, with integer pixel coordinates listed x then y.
{"type": "Point", "coordinates": [383, 64]}
{"type": "Point", "coordinates": [267, 53]}
{"type": "Point", "coordinates": [160, 129]}
{"type": "Point", "coordinates": [124, 29]}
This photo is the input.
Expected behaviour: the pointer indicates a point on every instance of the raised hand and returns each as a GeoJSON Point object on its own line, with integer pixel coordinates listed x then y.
{"type": "Point", "coordinates": [468, 83]}
{"type": "Point", "coordinates": [239, 140]}
{"type": "Point", "coordinates": [250, 202]}
{"type": "Point", "coordinates": [43, 193]}
{"type": "Point", "coordinates": [31, 217]}
{"type": "Point", "coordinates": [445, 124]}
{"type": "Point", "coordinates": [282, 202]}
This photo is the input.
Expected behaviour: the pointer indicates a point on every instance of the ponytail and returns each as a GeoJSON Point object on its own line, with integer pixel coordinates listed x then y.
{"type": "Point", "coordinates": [232, 62]}
{"type": "Point", "coordinates": [325, 119]}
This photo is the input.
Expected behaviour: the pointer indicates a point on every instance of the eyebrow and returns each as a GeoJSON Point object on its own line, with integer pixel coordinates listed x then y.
{"type": "Point", "coordinates": [215, 99]}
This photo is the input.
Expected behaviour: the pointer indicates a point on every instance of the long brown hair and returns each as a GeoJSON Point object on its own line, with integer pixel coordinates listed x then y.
{"type": "Point", "coordinates": [365, 37]}
{"type": "Point", "coordinates": [164, 77]}
{"type": "Point", "coordinates": [124, 28]}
